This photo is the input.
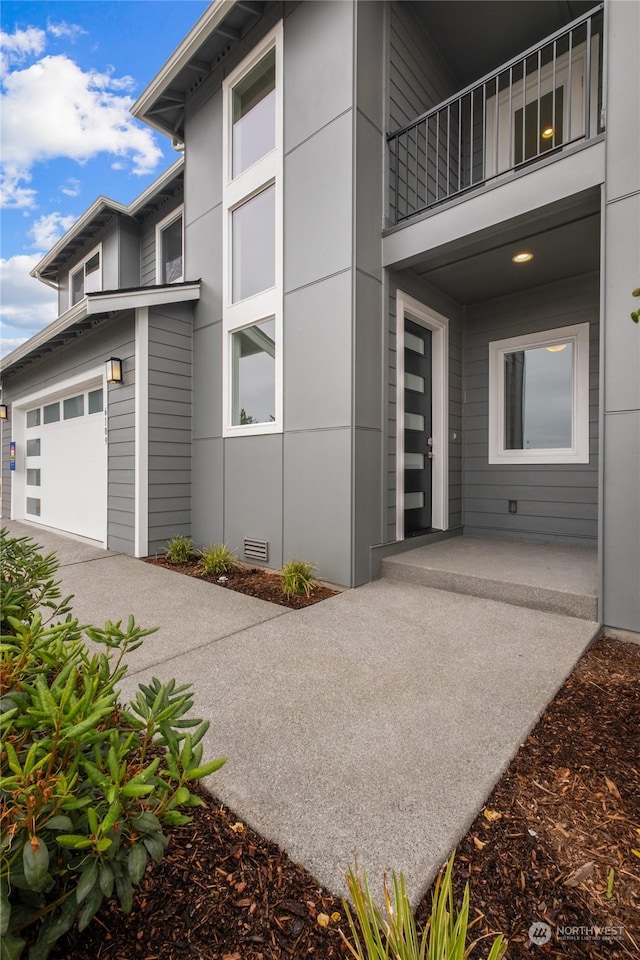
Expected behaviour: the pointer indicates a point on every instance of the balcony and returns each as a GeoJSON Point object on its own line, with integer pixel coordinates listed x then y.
{"type": "Point", "coordinates": [534, 107]}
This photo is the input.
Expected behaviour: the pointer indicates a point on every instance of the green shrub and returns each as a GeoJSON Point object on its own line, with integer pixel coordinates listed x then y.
{"type": "Point", "coordinates": [217, 559]}
{"type": "Point", "coordinates": [297, 578]}
{"type": "Point", "coordinates": [179, 550]}
{"type": "Point", "coordinates": [88, 784]}
{"type": "Point", "coordinates": [392, 932]}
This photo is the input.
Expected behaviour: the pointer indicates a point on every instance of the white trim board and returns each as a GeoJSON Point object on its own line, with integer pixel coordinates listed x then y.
{"type": "Point", "coordinates": [141, 447]}
{"type": "Point", "coordinates": [439, 327]}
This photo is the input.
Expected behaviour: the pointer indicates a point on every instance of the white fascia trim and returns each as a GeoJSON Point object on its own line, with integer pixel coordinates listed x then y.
{"type": "Point", "coordinates": [141, 417]}
{"type": "Point", "coordinates": [166, 222]}
{"type": "Point", "coordinates": [439, 327]}
{"type": "Point", "coordinates": [67, 319]}
{"type": "Point", "coordinates": [134, 299]}
{"type": "Point", "coordinates": [578, 334]}
{"type": "Point", "coordinates": [205, 26]}
{"type": "Point", "coordinates": [102, 203]}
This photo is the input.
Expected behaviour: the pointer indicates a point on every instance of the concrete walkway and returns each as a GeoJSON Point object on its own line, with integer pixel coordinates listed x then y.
{"type": "Point", "coordinates": [374, 723]}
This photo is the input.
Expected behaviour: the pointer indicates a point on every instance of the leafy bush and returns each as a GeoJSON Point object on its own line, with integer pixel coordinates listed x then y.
{"type": "Point", "coordinates": [297, 578]}
{"type": "Point", "coordinates": [179, 550]}
{"type": "Point", "coordinates": [88, 784]}
{"type": "Point", "coordinates": [217, 559]}
{"type": "Point", "coordinates": [379, 935]}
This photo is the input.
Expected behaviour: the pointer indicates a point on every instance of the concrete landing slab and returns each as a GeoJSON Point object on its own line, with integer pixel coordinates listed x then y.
{"type": "Point", "coordinates": [68, 549]}
{"type": "Point", "coordinates": [542, 576]}
{"type": "Point", "coordinates": [376, 722]}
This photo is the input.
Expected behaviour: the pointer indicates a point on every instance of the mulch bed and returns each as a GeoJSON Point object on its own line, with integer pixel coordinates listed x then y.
{"type": "Point", "coordinates": [564, 814]}
{"type": "Point", "coordinates": [253, 581]}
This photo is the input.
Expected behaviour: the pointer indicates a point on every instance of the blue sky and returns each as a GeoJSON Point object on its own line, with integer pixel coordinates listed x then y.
{"type": "Point", "coordinates": [69, 73]}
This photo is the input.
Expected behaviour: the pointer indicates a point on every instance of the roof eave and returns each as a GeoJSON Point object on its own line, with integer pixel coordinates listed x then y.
{"type": "Point", "coordinates": [205, 26]}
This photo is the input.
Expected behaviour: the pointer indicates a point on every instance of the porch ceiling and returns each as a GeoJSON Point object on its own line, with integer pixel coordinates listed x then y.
{"type": "Point", "coordinates": [505, 28]}
{"type": "Point", "coordinates": [564, 241]}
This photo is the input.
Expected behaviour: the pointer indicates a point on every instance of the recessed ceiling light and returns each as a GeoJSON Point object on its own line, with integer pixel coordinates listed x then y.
{"type": "Point", "coordinates": [547, 133]}
{"type": "Point", "coordinates": [556, 348]}
{"type": "Point", "coordinates": [522, 257]}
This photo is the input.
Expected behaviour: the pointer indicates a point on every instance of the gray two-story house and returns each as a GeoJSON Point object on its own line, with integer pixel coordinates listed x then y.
{"type": "Point", "coordinates": [382, 296]}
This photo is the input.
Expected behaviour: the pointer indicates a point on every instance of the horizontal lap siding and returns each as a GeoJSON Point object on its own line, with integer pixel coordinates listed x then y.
{"type": "Point", "coordinates": [419, 79]}
{"type": "Point", "coordinates": [555, 501]}
{"type": "Point", "coordinates": [169, 430]}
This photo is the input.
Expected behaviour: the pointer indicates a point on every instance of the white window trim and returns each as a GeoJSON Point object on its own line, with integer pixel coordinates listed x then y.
{"type": "Point", "coordinates": [578, 335]}
{"type": "Point", "coordinates": [265, 172]}
{"type": "Point", "coordinates": [160, 227]}
{"type": "Point", "coordinates": [80, 266]}
{"type": "Point", "coordinates": [439, 327]}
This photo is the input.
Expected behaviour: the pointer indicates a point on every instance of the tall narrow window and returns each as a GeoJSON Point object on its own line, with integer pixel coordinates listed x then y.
{"type": "Point", "coordinates": [87, 277]}
{"type": "Point", "coordinates": [252, 245]}
{"type": "Point", "coordinates": [169, 253]}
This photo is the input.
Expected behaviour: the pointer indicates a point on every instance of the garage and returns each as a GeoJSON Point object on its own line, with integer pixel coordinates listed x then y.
{"type": "Point", "coordinates": [64, 460]}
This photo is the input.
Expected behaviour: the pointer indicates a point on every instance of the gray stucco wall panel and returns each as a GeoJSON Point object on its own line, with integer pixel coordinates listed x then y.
{"type": "Point", "coordinates": [621, 339]}
{"type": "Point", "coordinates": [317, 205]}
{"type": "Point", "coordinates": [366, 504]}
{"type": "Point", "coordinates": [207, 378]}
{"type": "Point", "coordinates": [370, 147]}
{"type": "Point", "coordinates": [317, 501]}
{"type": "Point", "coordinates": [203, 161]}
{"type": "Point", "coordinates": [368, 352]}
{"type": "Point", "coordinates": [253, 492]}
{"type": "Point", "coordinates": [317, 354]}
{"type": "Point", "coordinates": [370, 54]}
{"type": "Point", "coordinates": [318, 67]}
{"type": "Point", "coordinates": [203, 245]}
{"type": "Point", "coordinates": [208, 492]}
{"type": "Point", "coordinates": [623, 101]}
{"type": "Point", "coordinates": [621, 546]}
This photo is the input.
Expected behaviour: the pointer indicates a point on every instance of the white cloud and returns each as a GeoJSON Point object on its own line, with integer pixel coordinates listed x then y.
{"type": "Point", "coordinates": [54, 109]}
{"type": "Point", "coordinates": [27, 304]}
{"type": "Point", "coordinates": [49, 228]}
{"type": "Point", "coordinates": [17, 46]}
{"type": "Point", "coordinates": [7, 344]}
{"type": "Point", "coordinates": [70, 31]}
{"type": "Point", "coordinates": [72, 187]}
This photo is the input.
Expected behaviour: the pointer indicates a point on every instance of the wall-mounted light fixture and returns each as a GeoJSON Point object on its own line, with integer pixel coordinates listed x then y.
{"type": "Point", "coordinates": [114, 370]}
{"type": "Point", "coordinates": [4, 412]}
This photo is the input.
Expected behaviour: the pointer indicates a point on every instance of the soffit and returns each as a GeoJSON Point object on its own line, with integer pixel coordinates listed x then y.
{"type": "Point", "coordinates": [476, 36]}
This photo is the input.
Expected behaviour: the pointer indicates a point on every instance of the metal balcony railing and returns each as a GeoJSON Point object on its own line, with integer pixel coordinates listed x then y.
{"type": "Point", "coordinates": [537, 104]}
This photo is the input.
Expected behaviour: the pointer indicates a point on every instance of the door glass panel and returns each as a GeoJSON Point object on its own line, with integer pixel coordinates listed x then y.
{"type": "Point", "coordinates": [33, 478]}
{"type": "Point", "coordinates": [33, 506]}
{"type": "Point", "coordinates": [413, 421]}
{"type": "Point", "coordinates": [33, 448]}
{"type": "Point", "coordinates": [541, 133]}
{"type": "Point", "coordinates": [538, 395]}
{"type": "Point", "coordinates": [414, 501]}
{"type": "Point", "coordinates": [254, 245]}
{"type": "Point", "coordinates": [51, 413]}
{"type": "Point", "coordinates": [414, 382]}
{"type": "Point", "coordinates": [414, 461]}
{"type": "Point", "coordinates": [414, 343]}
{"type": "Point", "coordinates": [95, 401]}
{"type": "Point", "coordinates": [254, 114]}
{"type": "Point", "coordinates": [172, 252]}
{"type": "Point", "coordinates": [254, 374]}
{"type": "Point", "coordinates": [33, 418]}
{"type": "Point", "coordinates": [74, 407]}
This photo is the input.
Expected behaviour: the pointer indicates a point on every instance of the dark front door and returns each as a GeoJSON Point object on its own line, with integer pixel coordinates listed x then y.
{"type": "Point", "coordinates": [417, 429]}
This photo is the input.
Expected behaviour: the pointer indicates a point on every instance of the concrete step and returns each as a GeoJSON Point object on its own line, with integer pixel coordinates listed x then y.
{"type": "Point", "coordinates": [529, 574]}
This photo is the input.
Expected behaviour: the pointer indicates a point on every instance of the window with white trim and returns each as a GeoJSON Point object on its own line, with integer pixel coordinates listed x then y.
{"type": "Point", "coordinates": [539, 397]}
{"type": "Point", "coordinates": [252, 242]}
{"type": "Point", "coordinates": [169, 248]}
{"type": "Point", "coordinates": [86, 277]}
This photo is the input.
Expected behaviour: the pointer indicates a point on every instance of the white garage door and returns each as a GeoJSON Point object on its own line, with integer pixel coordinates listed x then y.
{"type": "Point", "coordinates": [66, 463]}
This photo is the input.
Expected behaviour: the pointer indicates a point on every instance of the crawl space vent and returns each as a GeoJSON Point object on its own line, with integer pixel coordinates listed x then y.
{"type": "Point", "coordinates": [257, 550]}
